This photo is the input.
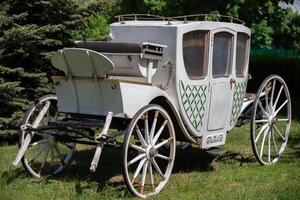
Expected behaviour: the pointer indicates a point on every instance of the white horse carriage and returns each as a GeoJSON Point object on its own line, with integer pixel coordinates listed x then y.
{"type": "Point", "coordinates": [157, 81]}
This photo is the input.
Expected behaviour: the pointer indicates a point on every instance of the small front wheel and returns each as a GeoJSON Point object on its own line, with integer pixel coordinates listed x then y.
{"type": "Point", "coordinates": [45, 154]}
{"type": "Point", "coordinates": [149, 151]}
{"type": "Point", "coordinates": [270, 120]}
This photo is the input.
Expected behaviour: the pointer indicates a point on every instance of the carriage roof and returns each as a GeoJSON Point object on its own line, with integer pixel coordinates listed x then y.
{"type": "Point", "coordinates": [200, 20]}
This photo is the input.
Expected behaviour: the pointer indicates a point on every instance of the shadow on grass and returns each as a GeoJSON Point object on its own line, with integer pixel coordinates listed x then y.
{"type": "Point", "coordinates": [109, 171]}
{"type": "Point", "coordinates": [294, 143]}
{"type": "Point", "coordinates": [9, 176]}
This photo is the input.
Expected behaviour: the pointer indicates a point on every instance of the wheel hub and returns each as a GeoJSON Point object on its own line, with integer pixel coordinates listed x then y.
{"type": "Point", "coordinates": [272, 120]}
{"type": "Point", "coordinates": [151, 152]}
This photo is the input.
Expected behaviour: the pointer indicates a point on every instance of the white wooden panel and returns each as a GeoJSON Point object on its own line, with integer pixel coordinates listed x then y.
{"type": "Point", "coordinates": [89, 96]}
{"type": "Point", "coordinates": [220, 100]}
{"type": "Point", "coordinates": [66, 93]}
{"type": "Point", "coordinates": [112, 98]}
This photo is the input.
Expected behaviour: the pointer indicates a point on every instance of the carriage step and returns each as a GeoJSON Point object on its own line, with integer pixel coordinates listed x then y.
{"type": "Point", "coordinates": [100, 145]}
{"type": "Point", "coordinates": [216, 151]}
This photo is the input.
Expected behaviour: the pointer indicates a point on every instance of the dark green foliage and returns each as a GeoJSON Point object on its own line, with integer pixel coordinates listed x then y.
{"type": "Point", "coordinates": [30, 31]}
{"type": "Point", "coordinates": [97, 14]}
{"type": "Point", "coordinates": [261, 66]}
{"type": "Point", "coordinates": [94, 27]}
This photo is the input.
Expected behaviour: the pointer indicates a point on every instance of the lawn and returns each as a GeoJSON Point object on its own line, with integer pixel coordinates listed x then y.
{"type": "Point", "coordinates": [235, 175]}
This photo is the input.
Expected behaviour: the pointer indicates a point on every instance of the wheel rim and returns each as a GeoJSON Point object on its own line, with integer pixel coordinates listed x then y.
{"type": "Point", "coordinates": [45, 155]}
{"type": "Point", "coordinates": [271, 120]}
{"type": "Point", "coordinates": [146, 167]}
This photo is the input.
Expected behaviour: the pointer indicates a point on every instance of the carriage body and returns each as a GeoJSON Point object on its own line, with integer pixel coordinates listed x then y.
{"type": "Point", "coordinates": [155, 82]}
{"type": "Point", "coordinates": [204, 103]}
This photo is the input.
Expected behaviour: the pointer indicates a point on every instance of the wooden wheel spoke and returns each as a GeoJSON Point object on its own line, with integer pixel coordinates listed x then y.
{"type": "Point", "coordinates": [261, 121]}
{"type": "Point", "coordinates": [154, 125]}
{"type": "Point", "coordinates": [146, 126]}
{"type": "Point", "coordinates": [144, 174]}
{"type": "Point", "coordinates": [277, 98]}
{"type": "Point", "coordinates": [263, 142]}
{"type": "Point", "coordinates": [272, 93]}
{"type": "Point", "coordinates": [262, 109]}
{"type": "Point", "coordinates": [138, 170]}
{"type": "Point", "coordinates": [156, 167]}
{"type": "Point", "coordinates": [137, 158]}
{"type": "Point", "coordinates": [163, 157]}
{"type": "Point", "coordinates": [277, 111]}
{"type": "Point", "coordinates": [41, 114]}
{"type": "Point", "coordinates": [163, 143]}
{"type": "Point", "coordinates": [276, 129]}
{"type": "Point", "coordinates": [274, 141]}
{"type": "Point", "coordinates": [260, 132]}
{"type": "Point", "coordinates": [37, 154]}
{"type": "Point", "coordinates": [140, 149]}
{"type": "Point", "coordinates": [44, 160]}
{"type": "Point", "coordinates": [269, 146]}
{"type": "Point", "coordinates": [283, 120]}
{"type": "Point", "coordinates": [267, 99]}
{"type": "Point", "coordinates": [151, 176]}
{"type": "Point", "coordinates": [159, 132]}
{"type": "Point", "coordinates": [140, 136]}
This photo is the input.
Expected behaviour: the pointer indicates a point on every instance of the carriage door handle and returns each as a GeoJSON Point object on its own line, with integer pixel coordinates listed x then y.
{"type": "Point", "coordinates": [232, 81]}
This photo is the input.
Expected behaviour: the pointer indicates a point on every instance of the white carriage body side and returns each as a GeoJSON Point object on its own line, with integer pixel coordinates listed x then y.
{"type": "Point", "coordinates": [208, 107]}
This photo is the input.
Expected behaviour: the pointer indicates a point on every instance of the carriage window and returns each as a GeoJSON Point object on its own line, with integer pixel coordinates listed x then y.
{"type": "Point", "coordinates": [195, 53]}
{"type": "Point", "coordinates": [222, 54]}
{"type": "Point", "coordinates": [241, 53]}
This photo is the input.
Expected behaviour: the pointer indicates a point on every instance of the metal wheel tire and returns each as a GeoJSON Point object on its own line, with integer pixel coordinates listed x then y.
{"type": "Point", "coordinates": [45, 155]}
{"type": "Point", "coordinates": [270, 120]}
{"type": "Point", "coordinates": [146, 166]}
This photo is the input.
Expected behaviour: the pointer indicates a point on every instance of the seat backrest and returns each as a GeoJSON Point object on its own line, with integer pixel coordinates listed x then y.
{"type": "Point", "coordinates": [82, 62]}
{"type": "Point", "coordinates": [111, 47]}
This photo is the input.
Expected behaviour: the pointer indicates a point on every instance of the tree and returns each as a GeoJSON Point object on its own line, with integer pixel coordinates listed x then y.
{"type": "Point", "coordinates": [30, 31]}
{"type": "Point", "coordinates": [95, 21]}
{"type": "Point", "coordinates": [265, 18]}
{"type": "Point", "coordinates": [295, 32]}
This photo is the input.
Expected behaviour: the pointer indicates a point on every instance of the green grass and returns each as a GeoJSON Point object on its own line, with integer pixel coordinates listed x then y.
{"type": "Point", "coordinates": [236, 175]}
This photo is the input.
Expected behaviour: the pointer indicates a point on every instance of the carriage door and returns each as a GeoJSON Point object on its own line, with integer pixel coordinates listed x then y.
{"type": "Point", "coordinates": [221, 88]}
{"type": "Point", "coordinates": [240, 75]}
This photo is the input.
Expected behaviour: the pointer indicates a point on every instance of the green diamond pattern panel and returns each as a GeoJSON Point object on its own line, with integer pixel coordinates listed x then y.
{"type": "Point", "coordinates": [193, 98]}
{"type": "Point", "coordinates": [238, 97]}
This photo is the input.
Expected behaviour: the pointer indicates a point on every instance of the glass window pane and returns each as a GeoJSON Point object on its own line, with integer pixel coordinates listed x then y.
{"type": "Point", "coordinates": [241, 54]}
{"type": "Point", "coordinates": [222, 54]}
{"type": "Point", "coordinates": [195, 51]}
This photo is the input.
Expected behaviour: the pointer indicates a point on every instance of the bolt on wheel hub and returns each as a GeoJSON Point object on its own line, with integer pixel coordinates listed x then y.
{"type": "Point", "coordinates": [152, 152]}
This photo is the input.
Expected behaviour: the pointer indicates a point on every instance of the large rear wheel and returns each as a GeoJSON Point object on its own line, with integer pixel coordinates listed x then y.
{"type": "Point", "coordinates": [270, 120]}
{"type": "Point", "coordinates": [148, 151]}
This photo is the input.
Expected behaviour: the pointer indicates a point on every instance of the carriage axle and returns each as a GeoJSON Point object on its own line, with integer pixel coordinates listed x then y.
{"type": "Point", "coordinates": [55, 129]}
